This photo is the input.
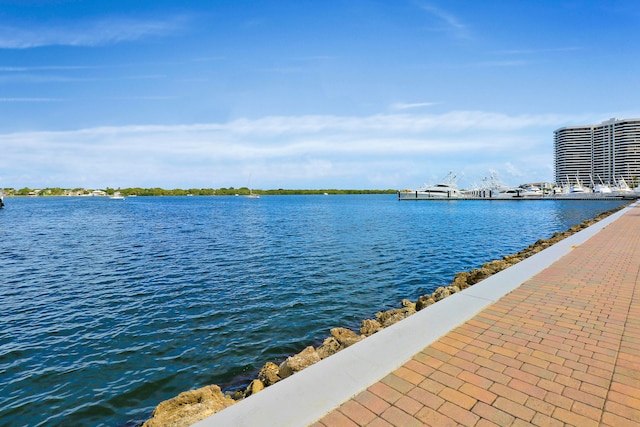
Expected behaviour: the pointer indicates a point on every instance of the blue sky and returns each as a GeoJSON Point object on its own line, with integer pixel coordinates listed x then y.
{"type": "Point", "coordinates": [304, 94]}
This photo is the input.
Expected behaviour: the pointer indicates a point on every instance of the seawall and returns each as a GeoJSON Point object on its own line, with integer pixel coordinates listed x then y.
{"type": "Point", "coordinates": [354, 366]}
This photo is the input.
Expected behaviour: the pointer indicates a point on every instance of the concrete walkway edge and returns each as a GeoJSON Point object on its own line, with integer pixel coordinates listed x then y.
{"type": "Point", "coordinates": [308, 395]}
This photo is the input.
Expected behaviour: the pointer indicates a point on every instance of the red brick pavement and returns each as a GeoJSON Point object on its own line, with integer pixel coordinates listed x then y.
{"type": "Point", "coordinates": [563, 349]}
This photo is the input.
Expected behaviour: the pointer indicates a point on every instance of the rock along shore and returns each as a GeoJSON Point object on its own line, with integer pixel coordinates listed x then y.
{"type": "Point", "coordinates": [192, 406]}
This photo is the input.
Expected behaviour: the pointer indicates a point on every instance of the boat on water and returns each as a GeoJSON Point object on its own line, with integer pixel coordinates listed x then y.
{"type": "Point", "coordinates": [499, 190]}
{"type": "Point", "coordinates": [621, 187]}
{"type": "Point", "coordinates": [601, 187]}
{"type": "Point", "coordinates": [252, 195]}
{"type": "Point", "coordinates": [574, 190]}
{"type": "Point", "coordinates": [601, 191]}
{"type": "Point", "coordinates": [531, 191]}
{"type": "Point", "coordinates": [508, 193]}
{"type": "Point", "coordinates": [518, 193]}
{"type": "Point", "coordinates": [447, 189]}
{"type": "Point", "coordinates": [493, 188]}
{"type": "Point", "coordinates": [578, 188]}
{"type": "Point", "coordinates": [1, 200]}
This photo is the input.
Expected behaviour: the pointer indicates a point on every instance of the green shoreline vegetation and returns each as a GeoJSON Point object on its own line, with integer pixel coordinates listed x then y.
{"type": "Point", "coordinates": [137, 191]}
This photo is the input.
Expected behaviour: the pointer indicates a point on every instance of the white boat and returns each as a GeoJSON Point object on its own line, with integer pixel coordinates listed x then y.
{"type": "Point", "coordinates": [601, 188]}
{"type": "Point", "coordinates": [570, 190]}
{"type": "Point", "coordinates": [516, 193]}
{"type": "Point", "coordinates": [528, 192]}
{"type": "Point", "coordinates": [447, 189]}
{"type": "Point", "coordinates": [578, 188]}
{"type": "Point", "coordinates": [621, 187]}
{"type": "Point", "coordinates": [531, 191]}
{"type": "Point", "coordinates": [493, 188]}
{"type": "Point", "coordinates": [507, 193]}
{"type": "Point", "coordinates": [116, 196]}
{"type": "Point", "coordinates": [252, 195]}
{"type": "Point", "coordinates": [1, 200]}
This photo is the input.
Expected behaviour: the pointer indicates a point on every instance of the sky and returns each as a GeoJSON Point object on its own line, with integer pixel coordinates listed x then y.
{"type": "Point", "coordinates": [301, 94]}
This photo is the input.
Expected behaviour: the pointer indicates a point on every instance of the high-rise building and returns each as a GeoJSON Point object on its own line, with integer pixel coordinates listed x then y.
{"type": "Point", "coordinates": [607, 152]}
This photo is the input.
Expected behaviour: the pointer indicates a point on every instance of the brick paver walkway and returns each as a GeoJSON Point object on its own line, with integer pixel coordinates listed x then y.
{"type": "Point", "coordinates": [563, 349]}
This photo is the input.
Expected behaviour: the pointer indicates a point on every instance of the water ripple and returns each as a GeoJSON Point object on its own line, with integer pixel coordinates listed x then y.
{"type": "Point", "coordinates": [110, 308]}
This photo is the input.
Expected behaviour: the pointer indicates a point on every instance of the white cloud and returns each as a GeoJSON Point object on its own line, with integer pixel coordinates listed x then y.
{"type": "Point", "coordinates": [83, 33]}
{"type": "Point", "coordinates": [142, 98]}
{"type": "Point", "coordinates": [30, 99]}
{"type": "Point", "coordinates": [450, 23]}
{"type": "Point", "coordinates": [409, 105]}
{"type": "Point", "coordinates": [48, 67]}
{"type": "Point", "coordinates": [517, 63]}
{"type": "Point", "coordinates": [536, 51]}
{"type": "Point", "coordinates": [282, 151]}
{"type": "Point", "coordinates": [39, 79]}
{"type": "Point", "coordinates": [513, 170]}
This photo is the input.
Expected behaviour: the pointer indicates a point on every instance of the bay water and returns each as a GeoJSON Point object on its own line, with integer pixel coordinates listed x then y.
{"type": "Point", "coordinates": [108, 307]}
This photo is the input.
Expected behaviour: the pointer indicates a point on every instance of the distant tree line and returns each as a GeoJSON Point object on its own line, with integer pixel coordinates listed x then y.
{"type": "Point", "coordinates": [138, 191]}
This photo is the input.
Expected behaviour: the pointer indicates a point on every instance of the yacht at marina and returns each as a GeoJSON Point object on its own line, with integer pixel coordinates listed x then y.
{"type": "Point", "coordinates": [601, 187]}
{"type": "Point", "coordinates": [576, 188]}
{"type": "Point", "coordinates": [621, 187]}
{"type": "Point", "coordinates": [531, 191]}
{"type": "Point", "coordinates": [493, 188]}
{"type": "Point", "coordinates": [447, 189]}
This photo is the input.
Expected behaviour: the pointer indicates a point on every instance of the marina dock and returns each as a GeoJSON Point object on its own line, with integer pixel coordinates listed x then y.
{"type": "Point", "coordinates": [551, 341]}
{"type": "Point", "coordinates": [414, 196]}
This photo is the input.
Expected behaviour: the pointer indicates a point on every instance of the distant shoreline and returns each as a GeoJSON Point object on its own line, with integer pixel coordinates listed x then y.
{"type": "Point", "coordinates": [127, 192]}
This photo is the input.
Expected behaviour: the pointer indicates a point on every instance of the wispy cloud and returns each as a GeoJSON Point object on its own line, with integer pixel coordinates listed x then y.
{"type": "Point", "coordinates": [42, 78]}
{"type": "Point", "coordinates": [448, 22]}
{"type": "Point", "coordinates": [54, 78]}
{"type": "Point", "coordinates": [535, 51]}
{"type": "Point", "coordinates": [391, 123]}
{"type": "Point", "coordinates": [513, 170]}
{"type": "Point", "coordinates": [312, 58]}
{"type": "Point", "coordinates": [209, 59]}
{"type": "Point", "coordinates": [515, 63]}
{"type": "Point", "coordinates": [31, 99]}
{"type": "Point", "coordinates": [94, 33]}
{"type": "Point", "coordinates": [49, 68]}
{"type": "Point", "coordinates": [408, 106]}
{"type": "Point", "coordinates": [142, 98]}
{"type": "Point", "coordinates": [283, 70]}
{"type": "Point", "coordinates": [13, 69]}
{"type": "Point", "coordinates": [527, 53]}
